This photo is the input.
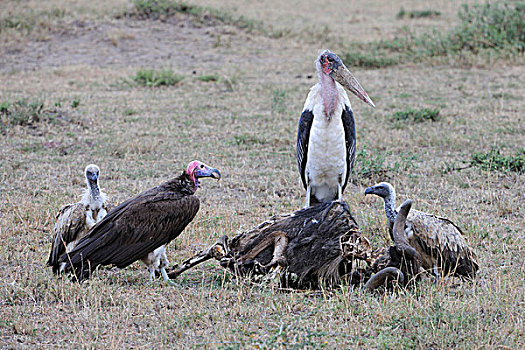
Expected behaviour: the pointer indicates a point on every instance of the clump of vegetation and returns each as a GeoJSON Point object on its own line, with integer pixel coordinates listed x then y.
{"type": "Point", "coordinates": [208, 77]}
{"type": "Point", "coordinates": [21, 112]}
{"type": "Point", "coordinates": [417, 14]}
{"type": "Point", "coordinates": [162, 9]}
{"type": "Point", "coordinates": [417, 115]}
{"type": "Point", "coordinates": [29, 20]}
{"type": "Point", "coordinates": [372, 59]}
{"type": "Point", "coordinates": [25, 113]}
{"type": "Point", "coordinates": [493, 160]}
{"type": "Point", "coordinates": [497, 27]}
{"type": "Point", "coordinates": [154, 78]}
{"type": "Point", "coordinates": [373, 164]}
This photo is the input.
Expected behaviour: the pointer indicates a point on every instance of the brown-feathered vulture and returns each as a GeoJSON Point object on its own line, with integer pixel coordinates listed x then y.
{"type": "Point", "coordinates": [74, 220]}
{"type": "Point", "coordinates": [440, 244]}
{"type": "Point", "coordinates": [140, 225]}
{"type": "Point", "coordinates": [326, 135]}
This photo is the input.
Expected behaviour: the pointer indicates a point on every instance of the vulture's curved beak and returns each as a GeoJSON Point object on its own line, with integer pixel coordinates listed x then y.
{"type": "Point", "coordinates": [92, 176]}
{"type": "Point", "coordinates": [208, 172]}
{"type": "Point", "coordinates": [369, 190]}
{"type": "Point", "coordinates": [215, 174]}
{"type": "Point", "coordinates": [344, 77]}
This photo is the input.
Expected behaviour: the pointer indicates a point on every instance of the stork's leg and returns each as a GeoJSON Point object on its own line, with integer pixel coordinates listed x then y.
{"type": "Point", "coordinates": [308, 193]}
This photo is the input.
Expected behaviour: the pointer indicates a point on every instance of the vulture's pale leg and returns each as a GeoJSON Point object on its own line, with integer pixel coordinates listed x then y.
{"type": "Point", "coordinates": [151, 271]}
{"type": "Point", "coordinates": [166, 278]}
{"type": "Point", "coordinates": [339, 192]}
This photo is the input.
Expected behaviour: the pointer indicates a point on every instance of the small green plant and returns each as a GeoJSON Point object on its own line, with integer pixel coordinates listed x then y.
{"type": "Point", "coordinates": [129, 111]}
{"type": "Point", "coordinates": [417, 14]}
{"type": "Point", "coordinates": [75, 103]}
{"type": "Point", "coordinates": [374, 164]}
{"type": "Point", "coordinates": [417, 116]}
{"type": "Point", "coordinates": [279, 101]}
{"type": "Point", "coordinates": [493, 160]}
{"type": "Point", "coordinates": [208, 77]}
{"type": "Point", "coordinates": [154, 78]}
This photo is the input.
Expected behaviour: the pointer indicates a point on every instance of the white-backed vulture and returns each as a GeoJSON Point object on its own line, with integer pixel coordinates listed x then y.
{"type": "Point", "coordinates": [140, 225]}
{"type": "Point", "coordinates": [440, 244]}
{"type": "Point", "coordinates": [326, 136]}
{"type": "Point", "coordinates": [74, 220]}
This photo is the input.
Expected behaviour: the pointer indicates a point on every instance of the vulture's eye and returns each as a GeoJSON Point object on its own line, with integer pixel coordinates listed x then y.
{"type": "Point", "coordinates": [202, 166]}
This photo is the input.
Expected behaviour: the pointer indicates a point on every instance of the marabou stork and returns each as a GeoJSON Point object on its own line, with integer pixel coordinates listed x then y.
{"type": "Point", "coordinates": [326, 137]}
{"type": "Point", "coordinates": [136, 228]}
{"type": "Point", "coordinates": [74, 220]}
{"type": "Point", "coordinates": [439, 243]}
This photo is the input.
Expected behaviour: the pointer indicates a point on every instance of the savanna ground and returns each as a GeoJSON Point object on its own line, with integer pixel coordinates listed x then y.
{"type": "Point", "coordinates": [69, 98]}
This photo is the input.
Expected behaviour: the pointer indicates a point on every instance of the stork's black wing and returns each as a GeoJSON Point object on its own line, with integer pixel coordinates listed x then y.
{"type": "Point", "coordinates": [350, 139]}
{"type": "Point", "coordinates": [132, 230]}
{"type": "Point", "coordinates": [303, 135]}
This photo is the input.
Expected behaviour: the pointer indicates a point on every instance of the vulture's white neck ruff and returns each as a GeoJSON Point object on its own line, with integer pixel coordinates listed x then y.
{"type": "Point", "coordinates": [390, 206]}
{"type": "Point", "coordinates": [93, 197]}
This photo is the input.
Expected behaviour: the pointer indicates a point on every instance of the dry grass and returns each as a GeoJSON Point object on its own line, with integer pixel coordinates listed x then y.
{"type": "Point", "coordinates": [245, 124]}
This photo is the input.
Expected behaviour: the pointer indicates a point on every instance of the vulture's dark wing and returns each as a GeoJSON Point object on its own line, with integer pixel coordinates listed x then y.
{"type": "Point", "coordinates": [70, 225]}
{"type": "Point", "coordinates": [303, 136]}
{"type": "Point", "coordinates": [350, 139]}
{"type": "Point", "coordinates": [133, 229]}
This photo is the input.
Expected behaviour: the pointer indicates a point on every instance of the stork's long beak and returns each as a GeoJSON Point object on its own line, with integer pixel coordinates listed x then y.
{"type": "Point", "coordinates": [343, 76]}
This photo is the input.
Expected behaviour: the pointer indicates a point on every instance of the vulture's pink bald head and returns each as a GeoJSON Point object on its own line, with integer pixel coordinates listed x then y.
{"type": "Point", "coordinates": [198, 169]}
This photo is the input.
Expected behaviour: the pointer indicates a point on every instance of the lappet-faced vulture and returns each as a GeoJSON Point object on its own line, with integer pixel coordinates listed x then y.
{"type": "Point", "coordinates": [74, 220]}
{"type": "Point", "coordinates": [439, 243]}
{"type": "Point", "coordinates": [326, 136]}
{"type": "Point", "coordinates": [140, 225]}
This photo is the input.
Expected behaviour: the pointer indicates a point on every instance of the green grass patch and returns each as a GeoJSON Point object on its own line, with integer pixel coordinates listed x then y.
{"type": "Point", "coordinates": [154, 78]}
{"type": "Point", "coordinates": [370, 59]}
{"type": "Point", "coordinates": [496, 29]}
{"type": "Point", "coordinates": [21, 112]}
{"type": "Point", "coordinates": [376, 165]}
{"type": "Point", "coordinates": [417, 14]}
{"type": "Point", "coordinates": [208, 77]}
{"type": "Point", "coordinates": [417, 115]}
{"type": "Point", "coordinates": [494, 160]}
{"type": "Point", "coordinates": [27, 21]}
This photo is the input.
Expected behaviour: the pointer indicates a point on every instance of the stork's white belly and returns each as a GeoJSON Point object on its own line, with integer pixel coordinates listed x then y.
{"type": "Point", "coordinates": [326, 162]}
